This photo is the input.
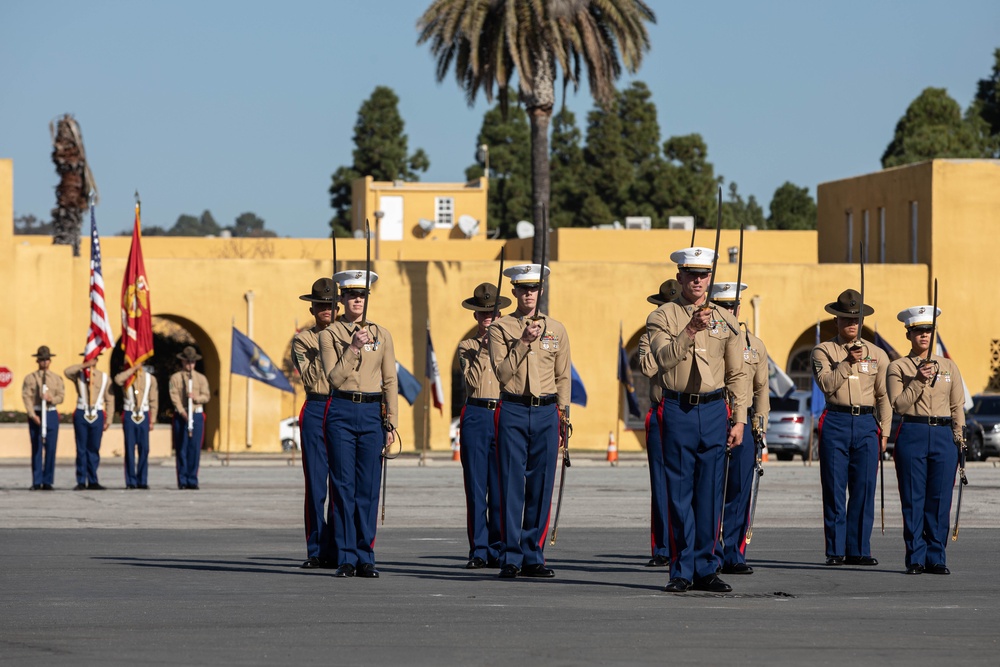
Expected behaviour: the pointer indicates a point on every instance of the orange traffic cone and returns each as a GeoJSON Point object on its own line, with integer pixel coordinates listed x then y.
{"type": "Point", "coordinates": [456, 452]}
{"type": "Point", "coordinates": [763, 453]}
{"type": "Point", "coordinates": [612, 449]}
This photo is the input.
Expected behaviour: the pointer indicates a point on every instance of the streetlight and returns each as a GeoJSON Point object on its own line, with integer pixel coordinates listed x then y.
{"type": "Point", "coordinates": [378, 218]}
{"type": "Point", "coordinates": [484, 156]}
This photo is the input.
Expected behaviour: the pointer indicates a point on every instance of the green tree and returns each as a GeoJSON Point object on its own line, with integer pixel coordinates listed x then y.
{"type": "Point", "coordinates": [509, 145]}
{"type": "Point", "coordinates": [490, 42]}
{"type": "Point", "coordinates": [568, 175]}
{"type": "Point", "coordinates": [792, 207]}
{"type": "Point", "coordinates": [984, 112]}
{"type": "Point", "coordinates": [188, 225]}
{"type": "Point", "coordinates": [249, 225]}
{"type": "Point", "coordinates": [380, 151]}
{"type": "Point", "coordinates": [609, 174]}
{"type": "Point", "coordinates": [689, 184]}
{"type": "Point", "coordinates": [29, 225]}
{"type": "Point", "coordinates": [641, 139]}
{"type": "Point", "coordinates": [932, 127]}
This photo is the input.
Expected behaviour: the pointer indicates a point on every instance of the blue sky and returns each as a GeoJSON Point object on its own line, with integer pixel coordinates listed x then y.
{"type": "Point", "coordinates": [250, 106]}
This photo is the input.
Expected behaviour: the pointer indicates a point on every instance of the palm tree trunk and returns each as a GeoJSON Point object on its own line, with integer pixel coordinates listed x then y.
{"type": "Point", "coordinates": [539, 103]}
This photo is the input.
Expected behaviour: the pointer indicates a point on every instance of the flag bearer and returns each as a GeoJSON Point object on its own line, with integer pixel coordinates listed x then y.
{"type": "Point", "coordinates": [141, 401]}
{"type": "Point", "coordinates": [94, 404]}
{"type": "Point", "coordinates": [360, 364]}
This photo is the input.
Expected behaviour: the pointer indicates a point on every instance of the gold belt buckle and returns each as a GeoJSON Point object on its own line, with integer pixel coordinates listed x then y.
{"type": "Point", "coordinates": [855, 410]}
{"type": "Point", "coordinates": [141, 418]}
{"type": "Point", "coordinates": [89, 417]}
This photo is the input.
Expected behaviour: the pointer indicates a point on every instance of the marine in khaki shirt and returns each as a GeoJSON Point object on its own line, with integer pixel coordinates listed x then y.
{"type": "Point", "coordinates": [854, 377]}
{"type": "Point", "coordinates": [363, 359]}
{"type": "Point", "coordinates": [94, 393]}
{"type": "Point", "coordinates": [531, 357]}
{"type": "Point", "coordinates": [31, 389]}
{"type": "Point", "coordinates": [178, 387]}
{"type": "Point", "coordinates": [142, 395]}
{"type": "Point", "coordinates": [305, 355]}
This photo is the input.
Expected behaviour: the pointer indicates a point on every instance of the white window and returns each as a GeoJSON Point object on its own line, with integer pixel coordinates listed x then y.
{"type": "Point", "coordinates": [444, 211]}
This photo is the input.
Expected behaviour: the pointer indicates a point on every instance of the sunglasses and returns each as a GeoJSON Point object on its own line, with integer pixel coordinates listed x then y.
{"type": "Point", "coordinates": [353, 293]}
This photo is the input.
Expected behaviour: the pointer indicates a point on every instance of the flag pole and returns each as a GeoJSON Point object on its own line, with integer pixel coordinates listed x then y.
{"type": "Point", "coordinates": [229, 415]}
{"type": "Point", "coordinates": [295, 399]}
{"type": "Point", "coordinates": [427, 402]}
{"type": "Point", "coordinates": [621, 417]}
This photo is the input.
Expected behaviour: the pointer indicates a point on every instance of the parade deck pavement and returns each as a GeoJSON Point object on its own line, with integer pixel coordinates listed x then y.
{"type": "Point", "coordinates": [171, 577]}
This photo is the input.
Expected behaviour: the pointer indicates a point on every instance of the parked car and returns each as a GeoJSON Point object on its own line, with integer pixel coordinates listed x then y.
{"type": "Point", "coordinates": [790, 429]}
{"type": "Point", "coordinates": [288, 431]}
{"type": "Point", "coordinates": [984, 426]}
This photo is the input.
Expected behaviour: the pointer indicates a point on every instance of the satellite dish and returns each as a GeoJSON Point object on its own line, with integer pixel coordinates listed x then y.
{"type": "Point", "coordinates": [426, 225]}
{"type": "Point", "coordinates": [524, 230]}
{"type": "Point", "coordinates": [358, 234]}
{"type": "Point", "coordinates": [468, 225]}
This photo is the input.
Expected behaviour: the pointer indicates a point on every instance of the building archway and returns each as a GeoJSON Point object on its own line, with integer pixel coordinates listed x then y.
{"type": "Point", "coordinates": [171, 334]}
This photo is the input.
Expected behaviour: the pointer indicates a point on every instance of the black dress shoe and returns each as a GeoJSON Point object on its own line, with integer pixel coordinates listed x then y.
{"type": "Point", "coordinates": [938, 568]}
{"type": "Point", "coordinates": [712, 584]}
{"type": "Point", "coordinates": [130, 486]}
{"type": "Point", "coordinates": [47, 487]}
{"type": "Point", "coordinates": [737, 568]}
{"type": "Point", "coordinates": [476, 563]}
{"type": "Point", "coordinates": [311, 563]}
{"type": "Point", "coordinates": [658, 561]}
{"type": "Point", "coordinates": [678, 585]}
{"type": "Point", "coordinates": [80, 487]}
{"type": "Point", "coordinates": [36, 487]}
{"type": "Point", "coordinates": [144, 486]}
{"type": "Point", "coordinates": [94, 486]}
{"type": "Point", "coordinates": [192, 487]}
{"type": "Point", "coordinates": [835, 560]}
{"type": "Point", "coordinates": [915, 569]}
{"type": "Point", "coordinates": [867, 561]}
{"type": "Point", "coordinates": [182, 486]}
{"type": "Point", "coordinates": [345, 570]}
{"type": "Point", "coordinates": [538, 571]}
{"type": "Point", "coordinates": [508, 572]}
{"type": "Point", "coordinates": [367, 570]}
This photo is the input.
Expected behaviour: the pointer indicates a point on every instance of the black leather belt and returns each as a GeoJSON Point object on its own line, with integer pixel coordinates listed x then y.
{"type": "Point", "coordinates": [930, 421]}
{"type": "Point", "coordinates": [693, 399]}
{"type": "Point", "coordinates": [488, 403]}
{"type": "Point", "coordinates": [851, 409]}
{"type": "Point", "coordinates": [530, 401]}
{"type": "Point", "coordinates": [317, 397]}
{"type": "Point", "coordinates": [358, 396]}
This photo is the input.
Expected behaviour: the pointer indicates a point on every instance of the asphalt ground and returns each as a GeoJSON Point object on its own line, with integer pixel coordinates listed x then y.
{"type": "Point", "coordinates": [211, 577]}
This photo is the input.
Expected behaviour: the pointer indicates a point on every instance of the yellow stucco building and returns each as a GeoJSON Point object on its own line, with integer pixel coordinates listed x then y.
{"type": "Point", "coordinates": [600, 278]}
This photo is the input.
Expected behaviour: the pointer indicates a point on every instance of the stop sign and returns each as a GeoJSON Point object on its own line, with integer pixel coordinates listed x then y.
{"type": "Point", "coordinates": [5, 377]}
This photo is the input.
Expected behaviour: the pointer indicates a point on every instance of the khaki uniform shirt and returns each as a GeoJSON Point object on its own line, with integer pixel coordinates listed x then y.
{"type": "Point", "coordinates": [91, 398]}
{"type": "Point", "coordinates": [31, 390]}
{"type": "Point", "coordinates": [200, 392]}
{"type": "Point", "coordinates": [305, 356]}
{"type": "Point", "coordinates": [539, 369]}
{"type": "Point", "coordinates": [758, 377]}
{"type": "Point", "coordinates": [144, 385]}
{"type": "Point", "coordinates": [647, 364]}
{"type": "Point", "coordinates": [712, 360]}
{"type": "Point", "coordinates": [910, 396]}
{"type": "Point", "coordinates": [372, 371]}
{"type": "Point", "coordinates": [861, 384]}
{"type": "Point", "coordinates": [477, 371]}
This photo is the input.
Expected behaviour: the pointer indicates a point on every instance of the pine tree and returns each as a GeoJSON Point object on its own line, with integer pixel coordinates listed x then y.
{"type": "Point", "coordinates": [567, 170]}
{"type": "Point", "coordinates": [932, 127]}
{"type": "Point", "coordinates": [509, 144]}
{"type": "Point", "coordinates": [609, 174]}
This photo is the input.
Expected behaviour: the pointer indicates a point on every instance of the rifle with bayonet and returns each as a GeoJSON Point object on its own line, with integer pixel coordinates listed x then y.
{"type": "Point", "coordinates": [45, 410]}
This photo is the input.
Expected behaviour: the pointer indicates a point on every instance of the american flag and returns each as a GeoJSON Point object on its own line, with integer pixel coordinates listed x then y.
{"type": "Point", "coordinates": [434, 375]}
{"type": "Point", "coordinates": [100, 336]}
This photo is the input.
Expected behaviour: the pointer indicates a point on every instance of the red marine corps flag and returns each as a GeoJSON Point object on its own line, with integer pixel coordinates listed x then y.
{"type": "Point", "coordinates": [137, 321]}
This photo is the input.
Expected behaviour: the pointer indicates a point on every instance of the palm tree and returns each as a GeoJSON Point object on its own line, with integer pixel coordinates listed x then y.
{"type": "Point", "coordinates": [490, 40]}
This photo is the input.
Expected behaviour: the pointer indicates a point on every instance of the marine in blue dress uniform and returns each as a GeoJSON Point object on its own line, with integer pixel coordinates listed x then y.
{"type": "Point", "coordinates": [530, 354]}
{"type": "Point", "coordinates": [315, 465]}
{"type": "Point", "coordinates": [699, 355]}
{"type": "Point", "coordinates": [478, 430]}
{"type": "Point", "coordinates": [189, 392]}
{"type": "Point", "coordinates": [95, 404]}
{"type": "Point", "coordinates": [742, 459]}
{"type": "Point", "coordinates": [853, 431]}
{"type": "Point", "coordinates": [658, 528]}
{"type": "Point", "coordinates": [927, 443]}
{"type": "Point", "coordinates": [360, 364]}
{"type": "Point", "coordinates": [41, 392]}
{"type": "Point", "coordinates": [140, 404]}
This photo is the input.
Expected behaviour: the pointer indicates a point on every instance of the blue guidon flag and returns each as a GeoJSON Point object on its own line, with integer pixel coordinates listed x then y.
{"type": "Point", "coordinates": [250, 361]}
